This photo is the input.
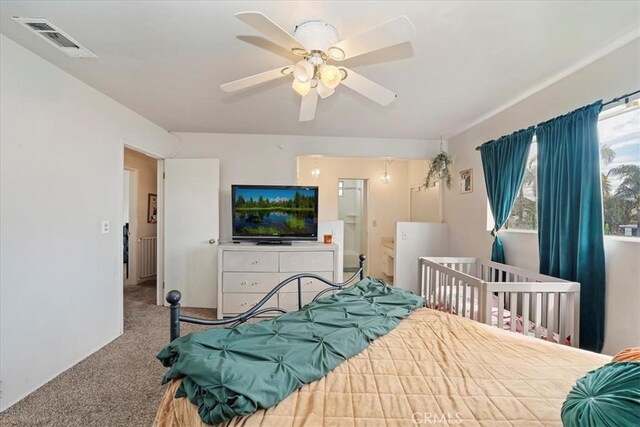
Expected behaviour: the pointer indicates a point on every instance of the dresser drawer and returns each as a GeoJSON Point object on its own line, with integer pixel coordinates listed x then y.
{"type": "Point", "coordinates": [308, 284]}
{"type": "Point", "coordinates": [249, 282]}
{"type": "Point", "coordinates": [306, 261]}
{"type": "Point", "coordinates": [289, 301]}
{"type": "Point", "coordinates": [250, 261]}
{"type": "Point", "coordinates": [239, 303]}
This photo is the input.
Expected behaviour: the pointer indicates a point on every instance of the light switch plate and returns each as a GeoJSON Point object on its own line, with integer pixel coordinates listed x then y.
{"type": "Point", "coordinates": [105, 227]}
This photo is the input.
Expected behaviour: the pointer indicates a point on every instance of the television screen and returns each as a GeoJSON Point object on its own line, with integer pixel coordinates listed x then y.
{"type": "Point", "coordinates": [263, 212]}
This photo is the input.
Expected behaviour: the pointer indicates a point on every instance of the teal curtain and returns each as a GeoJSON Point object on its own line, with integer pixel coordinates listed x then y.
{"type": "Point", "coordinates": [570, 225]}
{"type": "Point", "coordinates": [504, 162]}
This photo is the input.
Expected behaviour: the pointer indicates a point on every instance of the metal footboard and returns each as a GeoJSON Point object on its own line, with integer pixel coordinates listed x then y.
{"type": "Point", "coordinates": [173, 298]}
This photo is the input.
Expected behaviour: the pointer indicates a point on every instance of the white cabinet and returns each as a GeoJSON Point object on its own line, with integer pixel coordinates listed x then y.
{"type": "Point", "coordinates": [247, 272]}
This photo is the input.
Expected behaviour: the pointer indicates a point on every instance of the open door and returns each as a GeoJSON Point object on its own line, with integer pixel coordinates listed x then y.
{"type": "Point", "coordinates": [191, 229]}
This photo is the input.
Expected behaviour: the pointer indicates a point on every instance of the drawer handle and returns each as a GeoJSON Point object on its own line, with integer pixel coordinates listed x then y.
{"type": "Point", "coordinates": [309, 282]}
{"type": "Point", "coordinates": [255, 261]}
{"type": "Point", "coordinates": [254, 283]}
{"type": "Point", "coordinates": [244, 283]}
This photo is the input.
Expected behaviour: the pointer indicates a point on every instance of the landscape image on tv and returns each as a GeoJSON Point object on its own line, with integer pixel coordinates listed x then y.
{"type": "Point", "coordinates": [274, 212]}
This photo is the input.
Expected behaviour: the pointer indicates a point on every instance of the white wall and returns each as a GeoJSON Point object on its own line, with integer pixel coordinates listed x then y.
{"type": "Point", "coordinates": [125, 197]}
{"type": "Point", "coordinates": [412, 241]}
{"type": "Point", "coordinates": [612, 75]}
{"type": "Point", "coordinates": [424, 205]}
{"type": "Point", "coordinates": [61, 174]}
{"type": "Point", "coordinates": [271, 159]}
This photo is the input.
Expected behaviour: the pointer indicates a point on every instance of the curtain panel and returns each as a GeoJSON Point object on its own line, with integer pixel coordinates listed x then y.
{"type": "Point", "coordinates": [504, 161]}
{"type": "Point", "coordinates": [570, 223]}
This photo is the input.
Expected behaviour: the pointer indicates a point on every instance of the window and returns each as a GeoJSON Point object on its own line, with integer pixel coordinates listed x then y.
{"type": "Point", "coordinates": [523, 215]}
{"type": "Point", "coordinates": [340, 188]}
{"type": "Point", "coordinates": [619, 132]}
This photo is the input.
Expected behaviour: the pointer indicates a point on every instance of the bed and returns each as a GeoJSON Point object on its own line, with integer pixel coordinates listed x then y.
{"type": "Point", "coordinates": [434, 367]}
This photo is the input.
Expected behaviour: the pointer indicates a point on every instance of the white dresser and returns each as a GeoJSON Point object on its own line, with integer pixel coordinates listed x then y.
{"type": "Point", "coordinates": [247, 272]}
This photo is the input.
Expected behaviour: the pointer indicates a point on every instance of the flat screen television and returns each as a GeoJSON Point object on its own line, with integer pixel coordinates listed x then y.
{"type": "Point", "coordinates": [274, 213]}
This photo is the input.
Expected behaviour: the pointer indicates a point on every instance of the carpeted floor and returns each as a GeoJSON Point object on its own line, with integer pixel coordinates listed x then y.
{"type": "Point", "coordinates": [116, 386]}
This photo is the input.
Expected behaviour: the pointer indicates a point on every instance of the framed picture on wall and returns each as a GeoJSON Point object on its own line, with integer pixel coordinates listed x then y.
{"type": "Point", "coordinates": [152, 209]}
{"type": "Point", "coordinates": [466, 181]}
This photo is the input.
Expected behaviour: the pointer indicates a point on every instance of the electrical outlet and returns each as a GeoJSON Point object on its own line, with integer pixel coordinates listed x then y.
{"type": "Point", "coordinates": [375, 223]}
{"type": "Point", "coordinates": [105, 227]}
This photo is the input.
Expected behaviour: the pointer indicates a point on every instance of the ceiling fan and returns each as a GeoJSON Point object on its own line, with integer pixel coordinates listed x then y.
{"type": "Point", "coordinates": [317, 43]}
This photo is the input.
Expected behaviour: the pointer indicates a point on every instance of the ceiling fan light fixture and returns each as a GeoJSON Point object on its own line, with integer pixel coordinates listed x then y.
{"type": "Point", "coordinates": [315, 42]}
{"type": "Point", "coordinates": [302, 88]}
{"type": "Point", "coordinates": [324, 91]}
{"type": "Point", "coordinates": [303, 71]}
{"type": "Point", "coordinates": [330, 75]}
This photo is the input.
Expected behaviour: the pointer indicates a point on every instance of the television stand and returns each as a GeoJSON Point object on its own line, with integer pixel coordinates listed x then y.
{"type": "Point", "coordinates": [247, 272]}
{"type": "Point", "coordinates": [274, 242]}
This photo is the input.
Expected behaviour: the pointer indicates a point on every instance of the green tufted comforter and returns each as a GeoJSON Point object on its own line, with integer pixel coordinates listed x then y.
{"type": "Point", "coordinates": [229, 372]}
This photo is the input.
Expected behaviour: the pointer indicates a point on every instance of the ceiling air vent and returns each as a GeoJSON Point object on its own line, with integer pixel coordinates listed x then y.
{"type": "Point", "coordinates": [54, 36]}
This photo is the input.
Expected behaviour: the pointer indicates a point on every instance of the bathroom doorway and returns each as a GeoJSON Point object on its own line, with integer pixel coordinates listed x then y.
{"type": "Point", "coordinates": [352, 209]}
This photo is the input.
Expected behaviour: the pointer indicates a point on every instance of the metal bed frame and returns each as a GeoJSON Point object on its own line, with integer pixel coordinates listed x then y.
{"type": "Point", "coordinates": [173, 298]}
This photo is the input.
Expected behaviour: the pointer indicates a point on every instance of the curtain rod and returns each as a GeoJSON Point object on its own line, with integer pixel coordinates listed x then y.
{"type": "Point", "coordinates": [613, 101]}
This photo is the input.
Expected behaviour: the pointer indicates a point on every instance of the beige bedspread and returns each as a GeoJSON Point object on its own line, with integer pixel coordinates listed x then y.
{"type": "Point", "coordinates": [434, 368]}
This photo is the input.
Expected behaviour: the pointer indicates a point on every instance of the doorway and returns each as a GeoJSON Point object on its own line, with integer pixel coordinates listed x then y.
{"type": "Point", "coordinates": [139, 220]}
{"type": "Point", "coordinates": [352, 210]}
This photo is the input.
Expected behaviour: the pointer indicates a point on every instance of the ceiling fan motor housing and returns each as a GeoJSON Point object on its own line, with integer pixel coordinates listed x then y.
{"type": "Point", "coordinates": [316, 35]}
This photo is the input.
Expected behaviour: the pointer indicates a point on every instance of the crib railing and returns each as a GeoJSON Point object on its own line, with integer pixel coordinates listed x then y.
{"type": "Point", "coordinates": [483, 290]}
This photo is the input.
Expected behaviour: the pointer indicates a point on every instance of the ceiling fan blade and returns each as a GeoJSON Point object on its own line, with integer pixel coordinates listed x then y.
{"type": "Point", "coordinates": [308, 106]}
{"type": "Point", "coordinates": [270, 29]}
{"type": "Point", "coordinates": [396, 31]}
{"type": "Point", "coordinates": [368, 88]}
{"type": "Point", "coordinates": [256, 79]}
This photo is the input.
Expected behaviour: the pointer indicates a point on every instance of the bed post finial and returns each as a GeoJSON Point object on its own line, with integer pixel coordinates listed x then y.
{"type": "Point", "coordinates": [362, 258]}
{"type": "Point", "coordinates": [173, 298]}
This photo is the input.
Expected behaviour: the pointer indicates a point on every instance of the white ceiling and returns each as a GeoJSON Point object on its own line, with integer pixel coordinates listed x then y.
{"type": "Point", "coordinates": [166, 60]}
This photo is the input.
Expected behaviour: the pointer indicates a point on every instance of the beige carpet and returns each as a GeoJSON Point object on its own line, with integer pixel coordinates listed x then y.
{"type": "Point", "coordinates": [116, 386]}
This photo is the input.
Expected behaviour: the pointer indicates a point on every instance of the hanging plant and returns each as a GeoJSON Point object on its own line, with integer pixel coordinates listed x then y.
{"type": "Point", "coordinates": [439, 170]}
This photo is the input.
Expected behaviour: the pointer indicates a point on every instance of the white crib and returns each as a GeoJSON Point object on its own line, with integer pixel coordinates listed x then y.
{"type": "Point", "coordinates": [502, 296]}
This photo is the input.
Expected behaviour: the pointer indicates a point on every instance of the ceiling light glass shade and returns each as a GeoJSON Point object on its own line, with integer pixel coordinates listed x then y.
{"type": "Point", "coordinates": [315, 173]}
{"type": "Point", "coordinates": [303, 71]}
{"type": "Point", "coordinates": [323, 90]}
{"type": "Point", "coordinates": [330, 76]}
{"type": "Point", "coordinates": [386, 178]}
{"type": "Point", "coordinates": [300, 87]}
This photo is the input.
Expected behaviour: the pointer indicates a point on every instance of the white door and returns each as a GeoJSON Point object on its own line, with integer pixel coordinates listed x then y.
{"type": "Point", "coordinates": [191, 229]}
